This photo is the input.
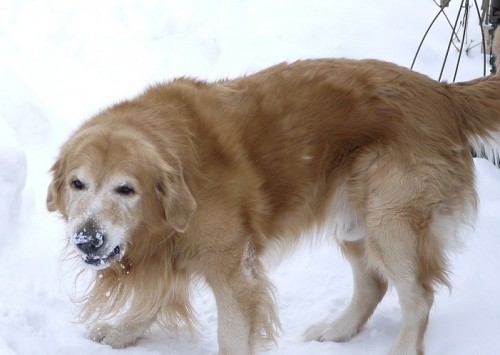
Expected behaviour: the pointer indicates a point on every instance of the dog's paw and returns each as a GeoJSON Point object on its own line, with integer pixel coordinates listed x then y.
{"type": "Point", "coordinates": [336, 331]}
{"type": "Point", "coordinates": [114, 336]}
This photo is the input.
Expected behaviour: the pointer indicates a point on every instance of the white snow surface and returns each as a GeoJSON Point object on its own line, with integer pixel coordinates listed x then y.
{"type": "Point", "coordinates": [62, 61]}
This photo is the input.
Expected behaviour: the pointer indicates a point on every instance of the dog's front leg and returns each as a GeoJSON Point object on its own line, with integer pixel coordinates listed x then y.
{"type": "Point", "coordinates": [233, 332]}
{"type": "Point", "coordinates": [247, 317]}
{"type": "Point", "coordinates": [124, 333]}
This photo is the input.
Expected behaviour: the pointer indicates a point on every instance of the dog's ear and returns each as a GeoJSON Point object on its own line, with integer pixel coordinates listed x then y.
{"type": "Point", "coordinates": [54, 192]}
{"type": "Point", "coordinates": [178, 202]}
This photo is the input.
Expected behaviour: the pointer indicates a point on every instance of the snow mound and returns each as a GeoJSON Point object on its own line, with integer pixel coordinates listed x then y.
{"type": "Point", "coordinates": [13, 170]}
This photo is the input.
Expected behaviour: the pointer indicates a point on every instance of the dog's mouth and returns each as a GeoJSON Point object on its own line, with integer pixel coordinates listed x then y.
{"type": "Point", "coordinates": [102, 261]}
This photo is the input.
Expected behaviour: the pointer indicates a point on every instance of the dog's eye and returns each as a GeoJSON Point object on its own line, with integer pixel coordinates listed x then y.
{"type": "Point", "coordinates": [125, 190]}
{"type": "Point", "coordinates": [77, 184]}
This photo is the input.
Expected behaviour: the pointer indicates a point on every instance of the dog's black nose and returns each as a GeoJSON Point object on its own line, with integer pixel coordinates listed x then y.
{"type": "Point", "coordinates": [90, 238]}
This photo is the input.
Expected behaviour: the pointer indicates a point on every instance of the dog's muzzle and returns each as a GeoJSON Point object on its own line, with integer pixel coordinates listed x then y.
{"type": "Point", "coordinates": [93, 243]}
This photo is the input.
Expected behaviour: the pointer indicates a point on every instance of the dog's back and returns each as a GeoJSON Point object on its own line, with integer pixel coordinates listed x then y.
{"type": "Point", "coordinates": [308, 132]}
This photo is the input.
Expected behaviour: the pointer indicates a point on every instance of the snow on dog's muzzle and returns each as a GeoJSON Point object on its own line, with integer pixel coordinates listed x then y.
{"type": "Point", "coordinates": [101, 262]}
{"type": "Point", "coordinates": [92, 242]}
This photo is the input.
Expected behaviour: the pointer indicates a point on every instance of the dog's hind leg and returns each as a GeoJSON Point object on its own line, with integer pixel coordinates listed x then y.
{"type": "Point", "coordinates": [369, 289]}
{"type": "Point", "coordinates": [392, 247]}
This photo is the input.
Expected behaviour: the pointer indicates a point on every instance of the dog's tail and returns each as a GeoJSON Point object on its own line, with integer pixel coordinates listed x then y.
{"type": "Point", "coordinates": [479, 101]}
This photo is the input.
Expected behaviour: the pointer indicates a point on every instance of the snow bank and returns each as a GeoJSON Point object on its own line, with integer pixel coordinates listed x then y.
{"type": "Point", "coordinates": [12, 179]}
{"type": "Point", "coordinates": [23, 126]}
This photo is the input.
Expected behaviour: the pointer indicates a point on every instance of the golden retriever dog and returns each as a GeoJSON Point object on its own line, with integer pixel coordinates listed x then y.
{"type": "Point", "coordinates": [202, 180]}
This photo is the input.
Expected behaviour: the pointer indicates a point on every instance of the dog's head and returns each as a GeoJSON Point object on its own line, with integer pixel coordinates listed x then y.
{"type": "Point", "coordinates": [109, 183]}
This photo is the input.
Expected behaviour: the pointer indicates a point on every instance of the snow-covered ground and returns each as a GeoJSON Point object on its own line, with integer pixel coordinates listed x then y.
{"type": "Point", "coordinates": [64, 60]}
